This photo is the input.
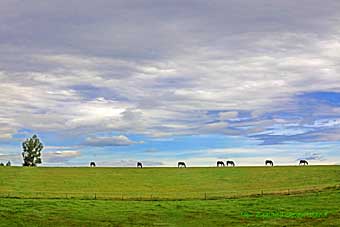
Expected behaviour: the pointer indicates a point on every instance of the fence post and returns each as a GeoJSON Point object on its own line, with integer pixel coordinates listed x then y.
{"type": "Point", "coordinates": [205, 196]}
{"type": "Point", "coordinates": [288, 192]}
{"type": "Point", "coordinates": [95, 196]}
{"type": "Point", "coordinates": [261, 192]}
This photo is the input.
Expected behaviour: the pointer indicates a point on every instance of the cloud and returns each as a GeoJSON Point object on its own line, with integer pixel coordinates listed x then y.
{"type": "Point", "coordinates": [110, 141]}
{"type": "Point", "coordinates": [164, 77]}
{"type": "Point", "coordinates": [59, 147]}
{"type": "Point", "coordinates": [312, 156]}
{"type": "Point", "coordinates": [14, 158]}
{"type": "Point", "coordinates": [60, 156]}
{"type": "Point", "coordinates": [227, 115]}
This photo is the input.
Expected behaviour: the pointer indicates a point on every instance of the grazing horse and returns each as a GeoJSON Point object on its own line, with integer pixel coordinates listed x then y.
{"type": "Point", "coordinates": [92, 164]}
{"type": "Point", "coordinates": [139, 164]}
{"type": "Point", "coordinates": [269, 162]}
{"type": "Point", "coordinates": [181, 164]}
{"type": "Point", "coordinates": [220, 163]}
{"type": "Point", "coordinates": [304, 162]}
{"type": "Point", "coordinates": [232, 163]}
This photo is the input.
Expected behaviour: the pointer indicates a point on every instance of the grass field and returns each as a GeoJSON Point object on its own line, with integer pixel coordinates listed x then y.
{"type": "Point", "coordinates": [161, 183]}
{"type": "Point", "coordinates": [178, 196]}
{"type": "Point", "coordinates": [310, 209]}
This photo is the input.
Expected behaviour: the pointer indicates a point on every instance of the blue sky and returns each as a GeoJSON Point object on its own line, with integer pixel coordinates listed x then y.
{"type": "Point", "coordinates": [118, 82]}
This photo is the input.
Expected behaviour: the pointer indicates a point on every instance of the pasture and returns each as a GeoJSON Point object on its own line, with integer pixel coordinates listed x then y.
{"type": "Point", "coordinates": [254, 196]}
{"type": "Point", "coordinates": [162, 183]}
{"type": "Point", "coordinates": [310, 209]}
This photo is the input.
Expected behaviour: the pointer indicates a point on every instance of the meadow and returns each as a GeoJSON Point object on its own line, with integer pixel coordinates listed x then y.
{"type": "Point", "coordinates": [310, 209]}
{"type": "Point", "coordinates": [253, 196]}
{"type": "Point", "coordinates": [162, 183]}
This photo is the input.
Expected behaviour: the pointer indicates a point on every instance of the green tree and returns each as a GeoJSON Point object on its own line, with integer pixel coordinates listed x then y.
{"type": "Point", "coordinates": [32, 151]}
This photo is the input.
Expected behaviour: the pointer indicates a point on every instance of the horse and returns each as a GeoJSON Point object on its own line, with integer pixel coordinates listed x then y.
{"type": "Point", "coordinates": [139, 164]}
{"type": "Point", "coordinates": [232, 163]}
{"type": "Point", "coordinates": [270, 162]}
{"type": "Point", "coordinates": [181, 164]}
{"type": "Point", "coordinates": [92, 164]}
{"type": "Point", "coordinates": [220, 163]}
{"type": "Point", "coordinates": [304, 162]}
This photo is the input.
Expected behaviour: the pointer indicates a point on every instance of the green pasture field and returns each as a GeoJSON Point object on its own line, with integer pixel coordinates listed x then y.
{"type": "Point", "coordinates": [240, 196]}
{"type": "Point", "coordinates": [162, 183]}
{"type": "Point", "coordinates": [309, 209]}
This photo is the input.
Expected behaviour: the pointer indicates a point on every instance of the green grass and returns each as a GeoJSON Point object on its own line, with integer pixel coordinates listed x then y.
{"type": "Point", "coordinates": [310, 209]}
{"type": "Point", "coordinates": [178, 196]}
{"type": "Point", "coordinates": [161, 183]}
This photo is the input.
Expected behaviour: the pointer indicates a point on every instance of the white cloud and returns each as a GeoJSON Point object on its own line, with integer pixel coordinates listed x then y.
{"type": "Point", "coordinates": [59, 147]}
{"type": "Point", "coordinates": [13, 158]}
{"type": "Point", "coordinates": [254, 61]}
{"type": "Point", "coordinates": [65, 153]}
{"type": "Point", "coordinates": [110, 141]}
{"type": "Point", "coordinates": [227, 115]}
{"type": "Point", "coordinates": [59, 156]}
{"type": "Point", "coordinates": [214, 127]}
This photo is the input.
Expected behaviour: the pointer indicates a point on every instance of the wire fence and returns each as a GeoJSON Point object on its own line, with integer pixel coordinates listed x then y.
{"type": "Point", "coordinates": [171, 196]}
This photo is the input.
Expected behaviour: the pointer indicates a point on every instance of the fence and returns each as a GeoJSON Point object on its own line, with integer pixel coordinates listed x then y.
{"type": "Point", "coordinates": [174, 196]}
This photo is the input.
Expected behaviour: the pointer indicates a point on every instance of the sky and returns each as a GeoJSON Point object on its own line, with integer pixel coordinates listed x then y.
{"type": "Point", "coordinates": [118, 82]}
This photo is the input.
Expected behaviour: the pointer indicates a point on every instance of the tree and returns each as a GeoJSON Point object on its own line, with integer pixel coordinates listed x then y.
{"type": "Point", "coordinates": [32, 151]}
{"type": "Point", "coordinates": [1, 164]}
{"type": "Point", "coordinates": [8, 163]}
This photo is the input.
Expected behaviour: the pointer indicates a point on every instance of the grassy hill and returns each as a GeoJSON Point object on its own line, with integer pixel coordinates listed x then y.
{"type": "Point", "coordinates": [162, 183]}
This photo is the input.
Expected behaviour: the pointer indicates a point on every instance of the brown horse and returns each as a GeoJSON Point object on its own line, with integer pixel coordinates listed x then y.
{"type": "Point", "coordinates": [220, 163]}
{"type": "Point", "coordinates": [92, 164]}
{"type": "Point", "coordinates": [232, 163]}
{"type": "Point", "coordinates": [139, 164]}
{"type": "Point", "coordinates": [269, 162]}
{"type": "Point", "coordinates": [304, 162]}
{"type": "Point", "coordinates": [181, 164]}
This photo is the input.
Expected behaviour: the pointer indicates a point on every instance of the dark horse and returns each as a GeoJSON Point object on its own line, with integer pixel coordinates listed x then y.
{"type": "Point", "coordinates": [269, 162]}
{"type": "Point", "coordinates": [139, 164]}
{"type": "Point", "coordinates": [304, 162]}
{"type": "Point", "coordinates": [92, 164]}
{"type": "Point", "coordinates": [220, 163]}
{"type": "Point", "coordinates": [181, 164]}
{"type": "Point", "coordinates": [232, 163]}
